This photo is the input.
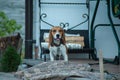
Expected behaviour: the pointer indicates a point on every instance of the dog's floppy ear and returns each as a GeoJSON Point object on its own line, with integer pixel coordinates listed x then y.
{"type": "Point", "coordinates": [50, 38]}
{"type": "Point", "coordinates": [63, 37]}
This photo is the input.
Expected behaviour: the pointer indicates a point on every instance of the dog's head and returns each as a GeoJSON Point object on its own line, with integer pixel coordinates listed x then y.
{"type": "Point", "coordinates": [56, 33]}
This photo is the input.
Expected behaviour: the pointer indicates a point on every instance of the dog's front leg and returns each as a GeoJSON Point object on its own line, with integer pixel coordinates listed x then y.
{"type": "Point", "coordinates": [51, 56]}
{"type": "Point", "coordinates": [65, 57]}
{"type": "Point", "coordinates": [64, 53]}
{"type": "Point", "coordinates": [51, 49]}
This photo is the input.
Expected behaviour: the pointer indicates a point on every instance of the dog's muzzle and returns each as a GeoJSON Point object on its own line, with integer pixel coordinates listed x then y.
{"type": "Point", "coordinates": [57, 37]}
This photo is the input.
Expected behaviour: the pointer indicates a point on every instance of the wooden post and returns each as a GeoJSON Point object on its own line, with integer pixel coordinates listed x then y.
{"type": "Point", "coordinates": [36, 49]}
{"type": "Point", "coordinates": [101, 65]}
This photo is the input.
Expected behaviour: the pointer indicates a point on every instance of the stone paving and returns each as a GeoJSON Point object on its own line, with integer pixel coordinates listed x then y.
{"type": "Point", "coordinates": [7, 76]}
{"type": "Point", "coordinates": [70, 69]}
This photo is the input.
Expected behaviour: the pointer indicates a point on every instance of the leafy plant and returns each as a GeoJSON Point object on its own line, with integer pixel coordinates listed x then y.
{"type": "Point", "coordinates": [7, 25]}
{"type": "Point", "coordinates": [10, 60]}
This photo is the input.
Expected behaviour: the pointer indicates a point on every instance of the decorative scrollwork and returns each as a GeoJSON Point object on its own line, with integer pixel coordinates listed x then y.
{"type": "Point", "coordinates": [64, 25]}
{"type": "Point", "coordinates": [44, 16]}
{"type": "Point", "coordinates": [84, 16]}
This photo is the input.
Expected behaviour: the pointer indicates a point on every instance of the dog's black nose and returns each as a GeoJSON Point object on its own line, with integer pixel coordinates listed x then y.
{"type": "Point", "coordinates": [57, 35]}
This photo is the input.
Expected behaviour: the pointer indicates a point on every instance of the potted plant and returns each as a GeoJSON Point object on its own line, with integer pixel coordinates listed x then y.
{"type": "Point", "coordinates": [10, 60]}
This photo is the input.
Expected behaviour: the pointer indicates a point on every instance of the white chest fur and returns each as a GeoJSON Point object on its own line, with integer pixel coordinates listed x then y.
{"type": "Point", "coordinates": [58, 50]}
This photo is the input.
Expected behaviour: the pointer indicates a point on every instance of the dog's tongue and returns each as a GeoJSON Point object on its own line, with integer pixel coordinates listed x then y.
{"type": "Point", "coordinates": [58, 39]}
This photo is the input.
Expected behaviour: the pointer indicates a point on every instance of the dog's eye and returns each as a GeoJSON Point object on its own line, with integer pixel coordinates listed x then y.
{"type": "Point", "coordinates": [53, 30]}
{"type": "Point", "coordinates": [60, 30]}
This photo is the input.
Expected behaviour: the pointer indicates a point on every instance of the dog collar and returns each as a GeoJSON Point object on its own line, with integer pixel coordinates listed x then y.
{"type": "Point", "coordinates": [56, 42]}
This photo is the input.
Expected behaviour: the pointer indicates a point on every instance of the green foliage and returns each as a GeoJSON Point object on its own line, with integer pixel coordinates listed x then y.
{"type": "Point", "coordinates": [10, 60]}
{"type": "Point", "coordinates": [7, 26]}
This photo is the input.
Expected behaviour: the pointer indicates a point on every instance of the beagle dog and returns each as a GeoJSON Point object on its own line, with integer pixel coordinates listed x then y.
{"type": "Point", "coordinates": [57, 45]}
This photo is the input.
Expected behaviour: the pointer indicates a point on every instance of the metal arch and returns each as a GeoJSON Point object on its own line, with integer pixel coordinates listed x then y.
{"type": "Point", "coordinates": [62, 3]}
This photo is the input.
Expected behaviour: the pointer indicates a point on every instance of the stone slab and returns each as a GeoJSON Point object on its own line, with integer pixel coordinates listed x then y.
{"type": "Point", "coordinates": [57, 70]}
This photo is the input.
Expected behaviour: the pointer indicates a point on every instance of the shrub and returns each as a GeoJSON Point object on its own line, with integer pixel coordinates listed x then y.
{"type": "Point", "coordinates": [7, 26]}
{"type": "Point", "coordinates": [10, 60]}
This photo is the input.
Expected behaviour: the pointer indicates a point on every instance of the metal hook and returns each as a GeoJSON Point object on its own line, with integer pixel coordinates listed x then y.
{"type": "Point", "coordinates": [44, 15]}
{"type": "Point", "coordinates": [84, 16]}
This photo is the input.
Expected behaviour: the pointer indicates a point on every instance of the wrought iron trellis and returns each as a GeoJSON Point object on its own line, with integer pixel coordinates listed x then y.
{"type": "Point", "coordinates": [62, 24]}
